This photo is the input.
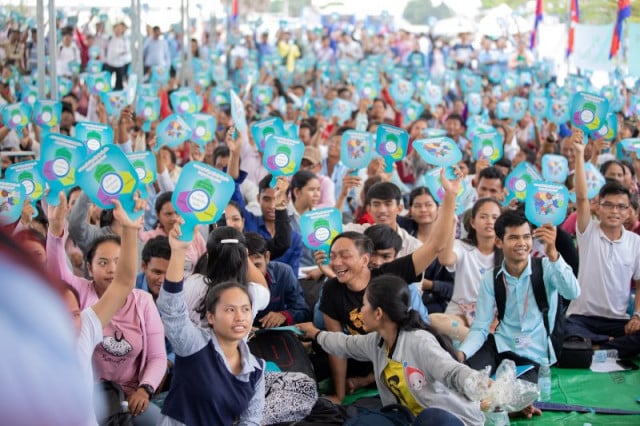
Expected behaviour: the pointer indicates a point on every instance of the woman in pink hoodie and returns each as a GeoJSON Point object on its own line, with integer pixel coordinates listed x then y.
{"type": "Point", "coordinates": [132, 353]}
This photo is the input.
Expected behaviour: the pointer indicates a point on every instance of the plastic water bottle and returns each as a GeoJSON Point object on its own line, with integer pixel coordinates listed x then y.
{"type": "Point", "coordinates": [544, 382]}
{"type": "Point", "coordinates": [497, 418]}
{"type": "Point", "coordinates": [455, 334]}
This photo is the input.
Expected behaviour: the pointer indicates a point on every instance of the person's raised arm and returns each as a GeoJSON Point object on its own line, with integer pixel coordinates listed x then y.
{"type": "Point", "coordinates": [583, 211]}
{"type": "Point", "coordinates": [234, 142]}
{"type": "Point", "coordinates": [126, 270]}
{"type": "Point", "coordinates": [447, 257]}
{"type": "Point", "coordinates": [279, 244]}
{"type": "Point", "coordinates": [437, 241]}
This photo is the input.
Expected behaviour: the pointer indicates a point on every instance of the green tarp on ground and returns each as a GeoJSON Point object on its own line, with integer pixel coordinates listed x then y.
{"type": "Point", "coordinates": [582, 387]}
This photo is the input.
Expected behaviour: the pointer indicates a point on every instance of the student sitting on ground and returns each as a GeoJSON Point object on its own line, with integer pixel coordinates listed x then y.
{"type": "Point", "coordinates": [287, 305]}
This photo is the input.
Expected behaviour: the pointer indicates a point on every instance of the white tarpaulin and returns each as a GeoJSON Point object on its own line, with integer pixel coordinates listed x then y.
{"type": "Point", "coordinates": [591, 47]}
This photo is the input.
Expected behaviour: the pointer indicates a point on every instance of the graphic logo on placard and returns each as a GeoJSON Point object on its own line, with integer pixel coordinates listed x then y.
{"type": "Point", "coordinates": [488, 151]}
{"type": "Point", "coordinates": [518, 185]}
{"type": "Point", "coordinates": [60, 167]}
{"type": "Point", "coordinates": [116, 101]}
{"type": "Point", "coordinates": [391, 147]}
{"type": "Point", "coordinates": [547, 203]}
{"type": "Point", "coordinates": [438, 150]}
{"type": "Point", "coordinates": [587, 116]}
{"type": "Point", "coordinates": [8, 199]}
{"type": "Point", "coordinates": [321, 233]}
{"type": "Point", "coordinates": [15, 118]}
{"type": "Point", "coordinates": [112, 183]}
{"type": "Point", "coordinates": [32, 188]}
{"type": "Point", "coordinates": [201, 131]}
{"type": "Point", "coordinates": [357, 148]}
{"type": "Point", "coordinates": [46, 117]}
{"type": "Point", "coordinates": [539, 106]}
{"type": "Point", "coordinates": [175, 129]}
{"type": "Point", "coordinates": [198, 201]}
{"type": "Point", "coordinates": [281, 160]}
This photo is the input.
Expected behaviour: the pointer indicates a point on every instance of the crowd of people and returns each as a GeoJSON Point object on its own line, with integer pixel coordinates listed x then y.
{"type": "Point", "coordinates": [405, 299]}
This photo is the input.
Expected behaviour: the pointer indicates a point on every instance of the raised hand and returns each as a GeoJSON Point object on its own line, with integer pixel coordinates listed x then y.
{"type": "Point", "coordinates": [58, 215]}
{"type": "Point", "coordinates": [546, 234]}
{"type": "Point", "coordinates": [234, 143]}
{"type": "Point", "coordinates": [451, 186]}
{"type": "Point", "coordinates": [121, 216]}
{"type": "Point", "coordinates": [174, 235]}
{"type": "Point", "coordinates": [577, 140]}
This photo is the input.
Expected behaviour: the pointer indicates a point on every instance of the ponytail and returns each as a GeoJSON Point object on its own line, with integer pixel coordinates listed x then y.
{"type": "Point", "coordinates": [391, 294]}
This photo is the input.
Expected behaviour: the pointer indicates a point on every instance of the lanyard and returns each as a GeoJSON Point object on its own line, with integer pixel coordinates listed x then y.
{"type": "Point", "coordinates": [526, 301]}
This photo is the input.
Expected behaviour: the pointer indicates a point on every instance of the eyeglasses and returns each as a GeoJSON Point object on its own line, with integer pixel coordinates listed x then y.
{"type": "Point", "coordinates": [610, 206]}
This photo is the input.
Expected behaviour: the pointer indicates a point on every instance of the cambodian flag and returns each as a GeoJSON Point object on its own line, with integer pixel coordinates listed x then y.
{"type": "Point", "coordinates": [575, 18]}
{"type": "Point", "coordinates": [624, 11]}
{"type": "Point", "coordinates": [539, 16]}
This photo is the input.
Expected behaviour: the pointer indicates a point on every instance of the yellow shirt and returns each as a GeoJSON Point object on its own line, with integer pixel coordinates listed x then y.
{"type": "Point", "coordinates": [399, 384]}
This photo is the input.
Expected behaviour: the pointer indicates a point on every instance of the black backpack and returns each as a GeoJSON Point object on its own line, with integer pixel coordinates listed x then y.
{"type": "Point", "coordinates": [537, 282]}
{"type": "Point", "coordinates": [114, 396]}
{"type": "Point", "coordinates": [284, 349]}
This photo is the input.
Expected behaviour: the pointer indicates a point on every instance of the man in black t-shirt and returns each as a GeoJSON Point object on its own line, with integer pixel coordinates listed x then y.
{"type": "Point", "coordinates": [350, 255]}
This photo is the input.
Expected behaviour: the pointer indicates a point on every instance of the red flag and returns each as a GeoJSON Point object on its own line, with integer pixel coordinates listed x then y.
{"type": "Point", "coordinates": [624, 11]}
{"type": "Point", "coordinates": [575, 18]}
{"type": "Point", "coordinates": [234, 10]}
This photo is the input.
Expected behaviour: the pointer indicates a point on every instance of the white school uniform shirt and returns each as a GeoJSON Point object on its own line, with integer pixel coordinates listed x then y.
{"type": "Point", "coordinates": [470, 266]}
{"type": "Point", "coordinates": [605, 273]}
{"type": "Point", "coordinates": [90, 336]}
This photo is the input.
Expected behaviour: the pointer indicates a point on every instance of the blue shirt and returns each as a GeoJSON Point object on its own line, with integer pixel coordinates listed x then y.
{"type": "Point", "coordinates": [522, 329]}
{"type": "Point", "coordinates": [253, 223]}
{"type": "Point", "coordinates": [156, 53]}
{"type": "Point", "coordinates": [286, 294]}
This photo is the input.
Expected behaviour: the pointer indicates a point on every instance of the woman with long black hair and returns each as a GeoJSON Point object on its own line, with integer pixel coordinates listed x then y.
{"type": "Point", "coordinates": [412, 364]}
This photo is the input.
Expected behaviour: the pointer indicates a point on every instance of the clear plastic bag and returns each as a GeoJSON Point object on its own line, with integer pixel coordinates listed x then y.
{"type": "Point", "coordinates": [507, 392]}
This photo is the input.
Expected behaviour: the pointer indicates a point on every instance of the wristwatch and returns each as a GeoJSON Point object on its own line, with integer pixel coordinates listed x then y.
{"type": "Point", "coordinates": [636, 314]}
{"type": "Point", "coordinates": [148, 389]}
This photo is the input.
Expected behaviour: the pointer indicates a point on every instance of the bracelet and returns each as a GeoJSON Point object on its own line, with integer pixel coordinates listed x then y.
{"type": "Point", "coordinates": [636, 314]}
{"type": "Point", "coordinates": [315, 336]}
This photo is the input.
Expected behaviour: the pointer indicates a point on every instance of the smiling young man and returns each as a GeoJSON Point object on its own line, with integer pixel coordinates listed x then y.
{"type": "Point", "coordinates": [384, 202]}
{"type": "Point", "coordinates": [350, 256]}
{"type": "Point", "coordinates": [609, 261]}
{"type": "Point", "coordinates": [521, 335]}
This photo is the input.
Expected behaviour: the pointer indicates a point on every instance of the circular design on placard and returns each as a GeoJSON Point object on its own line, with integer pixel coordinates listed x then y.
{"type": "Point", "coordinates": [487, 151]}
{"type": "Point", "coordinates": [198, 200]}
{"type": "Point", "coordinates": [200, 131]}
{"type": "Point", "coordinates": [31, 100]}
{"type": "Point", "coordinates": [184, 106]}
{"type": "Point", "coordinates": [322, 234]}
{"type": "Point", "coordinates": [93, 144]}
{"type": "Point", "coordinates": [61, 167]}
{"type": "Point", "coordinates": [141, 172]}
{"type": "Point", "coordinates": [520, 185]}
{"type": "Point", "coordinates": [16, 119]}
{"type": "Point", "coordinates": [111, 183]}
{"type": "Point", "coordinates": [587, 116]}
{"type": "Point", "coordinates": [29, 186]}
{"type": "Point", "coordinates": [147, 112]}
{"type": "Point", "coordinates": [99, 85]}
{"type": "Point", "coordinates": [281, 160]}
{"type": "Point", "coordinates": [46, 116]}
{"type": "Point", "coordinates": [390, 147]}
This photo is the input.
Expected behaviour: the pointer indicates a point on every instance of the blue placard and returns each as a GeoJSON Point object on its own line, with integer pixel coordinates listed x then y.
{"type": "Point", "coordinates": [200, 196]}
{"type": "Point", "coordinates": [282, 156]}
{"type": "Point", "coordinates": [391, 144]}
{"type": "Point", "coordinates": [356, 149]}
{"type": "Point", "coordinates": [12, 200]}
{"type": "Point", "coordinates": [555, 168]}
{"type": "Point", "coordinates": [107, 175]}
{"type": "Point", "coordinates": [262, 129]}
{"type": "Point", "coordinates": [439, 151]}
{"type": "Point", "coordinates": [546, 203]}
{"type": "Point", "coordinates": [60, 157]}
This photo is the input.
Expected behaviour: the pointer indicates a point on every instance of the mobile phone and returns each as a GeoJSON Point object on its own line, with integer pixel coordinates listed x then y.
{"type": "Point", "coordinates": [627, 364]}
